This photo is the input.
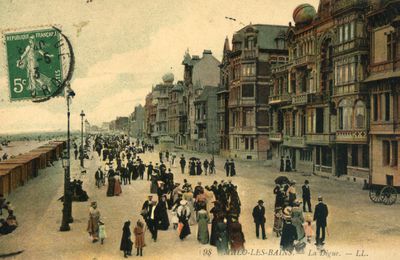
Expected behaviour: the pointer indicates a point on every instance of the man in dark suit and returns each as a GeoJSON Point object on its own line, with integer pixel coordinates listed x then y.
{"type": "Point", "coordinates": [306, 196]}
{"type": "Point", "coordinates": [182, 162]}
{"type": "Point", "coordinates": [320, 215]}
{"type": "Point", "coordinates": [227, 167]}
{"type": "Point", "coordinates": [98, 176]}
{"type": "Point", "coordinates": [259, 219]}
{"type": "Point", "coordinates": [149, 170]}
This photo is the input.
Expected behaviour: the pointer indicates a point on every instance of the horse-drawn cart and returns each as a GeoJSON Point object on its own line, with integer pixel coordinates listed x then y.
{"type": "Point", "coordinates": [386, 194]}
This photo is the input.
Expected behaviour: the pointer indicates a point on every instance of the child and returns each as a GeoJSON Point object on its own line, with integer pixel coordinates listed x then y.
{"type": "Point", "coordinates": [278, 221]}
{"type": "Point", "coordinates": [102, 232]}
{"type": "Point", "coordinates": [139, 237]}
{"type": "Point", "coordinates": [308, 229]}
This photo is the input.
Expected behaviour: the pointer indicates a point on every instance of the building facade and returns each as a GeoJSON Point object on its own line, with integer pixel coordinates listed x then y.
{"type": "Point", "coordinates": [254, 49]}
{"type": "Point", "coordinates": [177, 114]}
{"type": "Point", "coordinates": [206, 126]}
{"type": "Point", "coordinates": [198, 73]}
{"type": "Point", "coordinates": [383, 84]}
{"type": "Point", "coordinates": [319, 101]}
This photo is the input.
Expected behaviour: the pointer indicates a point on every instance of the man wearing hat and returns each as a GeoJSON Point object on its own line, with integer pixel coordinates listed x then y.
{"type": "Point", "coordinates": [259, 219]}
{"type": "Point", "coordinates": [320, 216]}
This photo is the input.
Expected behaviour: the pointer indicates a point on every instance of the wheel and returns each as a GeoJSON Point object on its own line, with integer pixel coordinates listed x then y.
{"type": "Point", "coordinates": [375, 195]}
{"type": "Point", "coordinates": [388, 195]}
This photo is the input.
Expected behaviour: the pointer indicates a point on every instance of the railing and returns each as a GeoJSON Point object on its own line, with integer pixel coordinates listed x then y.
{"type": "Point", "coordinates": [280, 68]}
{"type": "Point", "coordinates": [306, 59]}
{"type": "Point", "coordinates": [320, 138]}
{"type": "Point", "coordinates": [275, 137]}
{"type": "Point", "coordinates": [279, 98]}
{"type": "Point", "coordinates": [357, 43]}
{"type": "Point", "coordinates": [294, 141]}
{"type": "Point", "coordinates": [351, 136]}
{"type": "Point", "coordinates": [299, 99]}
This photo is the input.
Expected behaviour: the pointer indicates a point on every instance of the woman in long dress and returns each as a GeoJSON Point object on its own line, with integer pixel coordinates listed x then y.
{"type": "Point", "coordinates": [222, 238]}
{"type": "Point", "coordinates": [139, 237]}
{"type": "Point", "coordinates": [111, 186]}
{"type": "Point", "coordinates": [93, 223]}
{"type": "Point", "coordinates": [161, 212]}
{"type": "Point", "coordinates": [126, 242]}
{"type": "Point", "coordinates": [184, 215]}
{"type": "Point", "coordinates": [117, 188]}
{"type": "Point", "coordinates": [154, 184]}
{"type": "Point", "coordinates": [188, 196]}
{"type": "Point", "coordinates": [202, 228]}
{"type": "Point", "coordinates": [236, 235]}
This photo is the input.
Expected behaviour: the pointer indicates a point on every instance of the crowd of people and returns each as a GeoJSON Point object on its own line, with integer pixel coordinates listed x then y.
{"type": "Point", "coordinates": [190, 205]}
{"type": "Point", "coordinates": [215, 208]}
{"type": "Point", "coordinates": [291, 224]}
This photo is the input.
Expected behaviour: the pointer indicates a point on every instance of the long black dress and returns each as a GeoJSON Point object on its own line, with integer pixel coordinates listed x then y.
{"type": "Point", "coordinates": [161, 212]}
{"type": "Point", "coordinates": [192, 168]}
{"type": "Point", "coordinates": [111, 185]}
{"type": "Point", "coordinates": [126, 242]}
{"type": "Point", "coordinates": [289, 235]}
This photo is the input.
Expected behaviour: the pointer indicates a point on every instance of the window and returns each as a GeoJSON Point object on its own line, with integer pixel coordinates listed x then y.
{"type": "Point", "coordinates": [352, 25]}
{"type": "Point", "coordinates": [375, 107]}
{"type": "Point", "coordinates": [346, 32]}
{"type": "Point", "coordinates": [360, 114]}
{"type": "Point", "coordinates": [386, 153]}
{"type": "Point", "coordinates": [246, 143]}
{"type": "Point", "coordinates": [320, 120]}
{"type": "Point", "coordinates": [345, 114]}
{"type": "Point", "coordinates": [247, 90]}
{"type": "Point", "coordinates": [391, 46]}
{"type": "Point", "coordinates": [341, 34]}
{"type": "Point", "coordinates": [252, 143]}
{"type": "Point", "coordinates": [394, 155]}
{"type": "Point", "coordinates": [387, 106]}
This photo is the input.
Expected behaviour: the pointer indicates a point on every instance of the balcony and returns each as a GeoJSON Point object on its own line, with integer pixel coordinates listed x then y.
{"type": "Point", "coordinates": [279, 99]}
{"type": "Point", "coordinates": [275, 137]}
{"type": "Point", "coordinates": [201, 120]}
{"type": "Point", "coordinates": [280, 68]}
{"type": "Point", "coordinates": [249, 54]}
{"type": "Point", "coordinates": [320, 139]}
{"type": "Point", "coordinates": [351, 136]}
{"type": "Point", "coordinates": [359, 43]}
{"type": "Point", "coordinates": [294, 141]}
{"type": "Point", "coordinates": [300, 99]}
{"type": "Point", "coordinates": [304, 60]}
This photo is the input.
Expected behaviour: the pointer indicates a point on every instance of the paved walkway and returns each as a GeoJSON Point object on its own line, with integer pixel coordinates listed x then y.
{"type": "Point", "coordinates": [355, 223]}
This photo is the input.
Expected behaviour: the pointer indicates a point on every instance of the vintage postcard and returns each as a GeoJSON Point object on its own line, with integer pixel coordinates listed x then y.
{"type": "Point", "coordinates": [203, 129]}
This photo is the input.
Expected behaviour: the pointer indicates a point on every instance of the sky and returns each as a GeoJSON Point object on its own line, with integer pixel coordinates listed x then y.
{"type": "Point", "coordinates": [124, 48]}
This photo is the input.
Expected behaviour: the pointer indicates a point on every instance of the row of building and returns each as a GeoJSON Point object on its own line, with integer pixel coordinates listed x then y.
{"type": "Point", "coordinates": [322, 91]}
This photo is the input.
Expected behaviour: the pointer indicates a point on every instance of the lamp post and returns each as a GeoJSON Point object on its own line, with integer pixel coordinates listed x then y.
{"type": "Point", "coordinates": [67, 205]}
{"type": "Point", "coordinates": [82, 154]}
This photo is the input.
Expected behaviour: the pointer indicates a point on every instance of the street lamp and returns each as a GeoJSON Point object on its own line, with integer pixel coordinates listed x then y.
{"type": "Point", "coordinates": [82, 154]}
{"type": "Point", "coordinates": [67, 205]}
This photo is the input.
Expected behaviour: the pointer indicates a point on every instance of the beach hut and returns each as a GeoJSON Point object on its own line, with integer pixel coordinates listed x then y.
{"type": "Point", "coordinates": [30, 167]}
{"type": "Point", "coordinates": [11, 177]}
{"type": "Point", "coordinates": [42, 162]}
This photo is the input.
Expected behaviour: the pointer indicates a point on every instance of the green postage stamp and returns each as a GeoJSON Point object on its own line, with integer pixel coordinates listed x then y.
{"type": "Point", "coordinates": [35, 63]}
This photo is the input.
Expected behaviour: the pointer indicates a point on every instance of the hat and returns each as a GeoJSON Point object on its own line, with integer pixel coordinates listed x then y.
{"type": "Point", "coordinates": [93, 203]}
{"type": "Point", "coordinates": [297, 203]}
{"type": "Point", "coordinates": [183, 202]}
{"type": "Point", "coordinates": [292, 182]}
{"type": "Point", "coordinates": [287, 211]}
{"type": "Point", "coordinates": [260, 202]}
{"type": "Point", "coordinates": [320, 198]}
{"type": "Point", "coordinates": [150, 196]}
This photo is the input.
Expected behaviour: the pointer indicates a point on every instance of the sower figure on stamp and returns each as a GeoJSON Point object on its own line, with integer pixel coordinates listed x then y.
{"type": "Point", "coordinates": [29, 61]}
{"type": "Point", "coordinates": [320, 216]}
